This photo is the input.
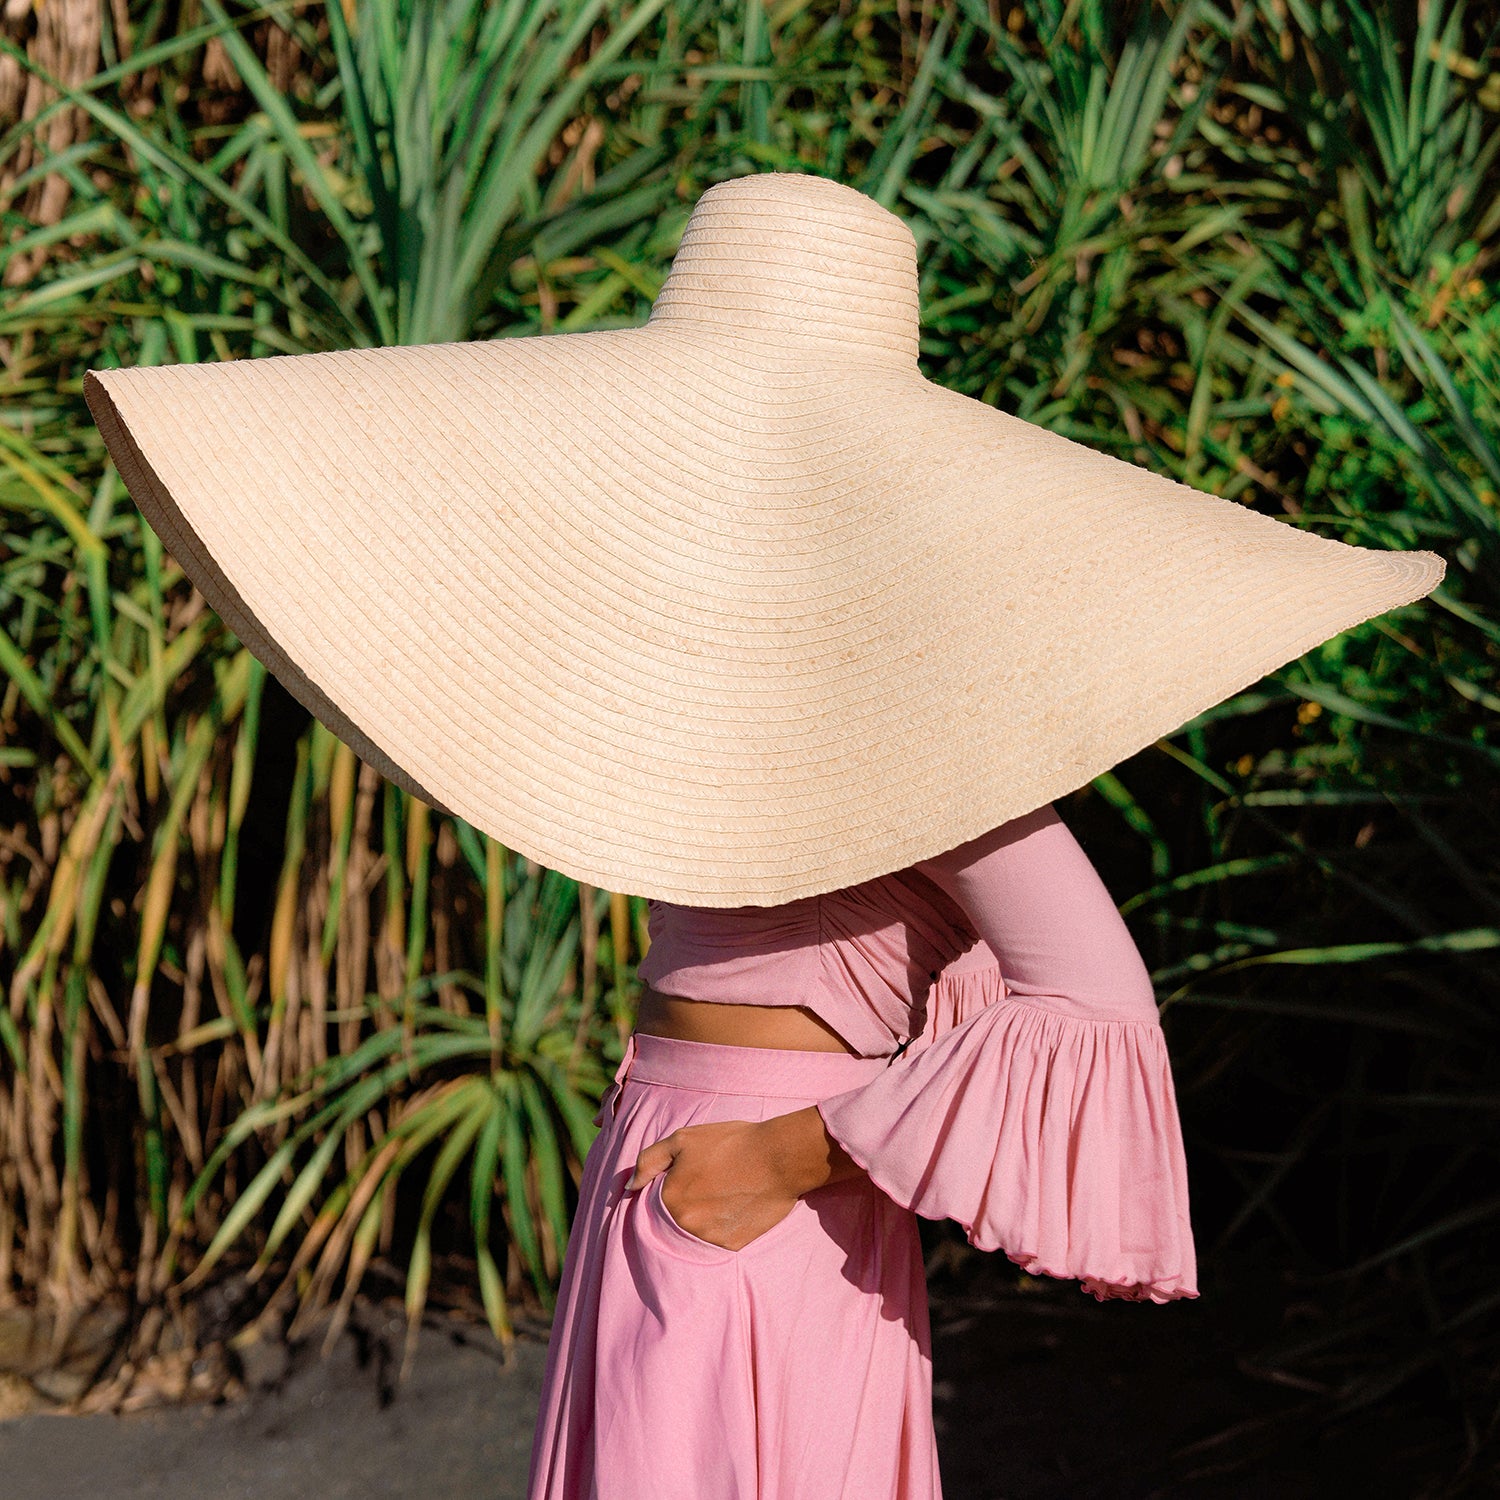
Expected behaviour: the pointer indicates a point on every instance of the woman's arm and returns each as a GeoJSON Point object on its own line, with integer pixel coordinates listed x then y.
{"type": "Point", "coordinates": [1047, 1123]}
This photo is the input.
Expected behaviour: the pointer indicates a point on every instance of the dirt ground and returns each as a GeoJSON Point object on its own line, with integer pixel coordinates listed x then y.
{"type": "Point", "coordinates": [1040, 1393]}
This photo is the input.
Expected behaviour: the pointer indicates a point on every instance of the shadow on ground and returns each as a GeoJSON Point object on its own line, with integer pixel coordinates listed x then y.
{"type": "Point", "coordinates": [1041, 1393]}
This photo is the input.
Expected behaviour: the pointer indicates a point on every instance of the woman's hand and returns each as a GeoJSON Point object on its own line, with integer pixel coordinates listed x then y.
{"type": "Point", "coordinates": [730, 1181]}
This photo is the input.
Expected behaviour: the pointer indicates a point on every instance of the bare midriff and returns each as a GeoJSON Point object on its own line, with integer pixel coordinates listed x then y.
{"type": "Point", "coordinates": [793, 1028]}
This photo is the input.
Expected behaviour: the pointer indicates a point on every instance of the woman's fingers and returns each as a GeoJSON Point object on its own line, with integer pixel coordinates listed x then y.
{"type": "Point", "coordinates": [720, 1186]}
{"type": "Point", "coordinates": [653, 1160]}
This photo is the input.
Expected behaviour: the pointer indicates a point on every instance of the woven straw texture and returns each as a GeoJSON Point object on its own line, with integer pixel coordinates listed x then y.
{"type": "Point", "coordinates": [732, 608]}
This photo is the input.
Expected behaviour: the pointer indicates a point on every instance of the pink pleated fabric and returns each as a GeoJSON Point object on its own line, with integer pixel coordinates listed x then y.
{"type": "Point", "coordinates": [1061, 1146]}
{"type": "Point", "coordinates": [795, 1368]}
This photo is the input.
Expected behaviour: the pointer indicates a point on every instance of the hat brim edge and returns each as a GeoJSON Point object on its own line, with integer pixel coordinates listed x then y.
{"type": "Point", "coordinates": [153, 500]}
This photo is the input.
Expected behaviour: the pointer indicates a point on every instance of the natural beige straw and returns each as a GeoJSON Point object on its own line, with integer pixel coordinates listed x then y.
{"type": "Point", "coordinates": [731, 608]}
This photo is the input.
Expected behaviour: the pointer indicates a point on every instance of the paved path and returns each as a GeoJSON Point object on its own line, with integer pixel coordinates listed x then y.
{"type": "Point", "coordinates": [460, 1427]}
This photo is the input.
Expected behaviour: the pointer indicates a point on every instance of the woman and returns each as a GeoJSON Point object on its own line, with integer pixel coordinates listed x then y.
{"type": "Point", "coordinates": [743, 1310]}
{"type": "Point", "coordinates": [738, 607]}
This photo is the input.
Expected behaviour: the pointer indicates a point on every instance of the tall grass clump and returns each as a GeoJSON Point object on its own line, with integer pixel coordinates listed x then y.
{"type": "Point", "coordinates": [410, 993]}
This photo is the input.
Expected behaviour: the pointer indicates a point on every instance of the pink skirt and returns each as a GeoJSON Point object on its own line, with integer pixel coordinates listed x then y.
{"type": "Point", "coordinates": [796, 1368]}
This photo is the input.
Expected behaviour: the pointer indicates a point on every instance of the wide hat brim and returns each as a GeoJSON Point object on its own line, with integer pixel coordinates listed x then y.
{"type": "Point", "coordinates": [731, 608]}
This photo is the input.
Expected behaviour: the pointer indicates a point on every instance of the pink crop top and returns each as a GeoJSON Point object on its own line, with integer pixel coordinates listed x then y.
{"type": "Point", "coordinates": [1034, 1102]}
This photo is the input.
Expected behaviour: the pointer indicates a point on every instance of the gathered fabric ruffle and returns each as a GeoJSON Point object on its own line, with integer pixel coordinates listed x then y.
{"type": "Point", "coordinates": [1051, 1138]}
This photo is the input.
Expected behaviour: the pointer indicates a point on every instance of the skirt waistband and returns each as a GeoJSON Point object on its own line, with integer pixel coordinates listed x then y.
{"type": "Point", "coordinates": [771, 1072]}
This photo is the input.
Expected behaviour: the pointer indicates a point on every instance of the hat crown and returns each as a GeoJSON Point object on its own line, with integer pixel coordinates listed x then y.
{"type": "Point", "coordinates": [804, 260]}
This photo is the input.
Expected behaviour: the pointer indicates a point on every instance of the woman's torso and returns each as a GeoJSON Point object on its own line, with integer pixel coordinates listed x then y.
{"type": "Point", "coordinates": [863, 961]}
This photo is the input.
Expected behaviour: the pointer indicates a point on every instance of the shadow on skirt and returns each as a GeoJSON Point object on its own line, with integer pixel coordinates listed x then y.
{"type": "Point", "coordinates": [796, 1368]}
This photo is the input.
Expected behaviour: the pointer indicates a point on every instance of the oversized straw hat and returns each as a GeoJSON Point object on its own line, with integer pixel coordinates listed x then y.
{"type": "Point", "coordinates": [731, 608]}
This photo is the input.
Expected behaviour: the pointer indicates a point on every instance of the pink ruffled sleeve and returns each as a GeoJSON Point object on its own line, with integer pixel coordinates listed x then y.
{"type": "Point", "coordinates": [1047, 1123]}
